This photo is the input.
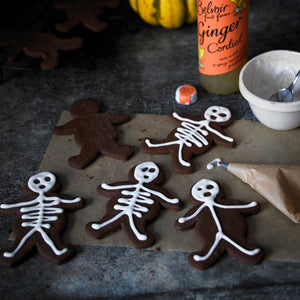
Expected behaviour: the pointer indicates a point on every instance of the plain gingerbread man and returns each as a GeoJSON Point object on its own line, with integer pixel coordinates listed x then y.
{"type": "Point", "coordinates": [219, 225]}
{"type": "Point", "coordinates": [94, 133]}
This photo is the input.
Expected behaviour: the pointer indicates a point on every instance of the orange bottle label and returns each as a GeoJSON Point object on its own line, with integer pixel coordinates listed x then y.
{"type": "Point", "coordinates": [222, 35]}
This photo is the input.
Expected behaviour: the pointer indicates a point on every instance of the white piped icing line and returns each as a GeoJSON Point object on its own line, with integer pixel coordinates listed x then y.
{"type": "Point", "coordinates": [138, 195]}
{"type": "Point", "coordinates": [210, 165]}
{"type": "Point", "coordinates": [195, 132]}
{"type": "Point", "coordinates": [205, 191]}
{"type": "Point", "coordinates": [39, 212]}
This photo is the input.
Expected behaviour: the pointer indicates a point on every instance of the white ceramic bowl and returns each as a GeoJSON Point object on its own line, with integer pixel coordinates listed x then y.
{"type": "Point", "coordinates": [261, 77]}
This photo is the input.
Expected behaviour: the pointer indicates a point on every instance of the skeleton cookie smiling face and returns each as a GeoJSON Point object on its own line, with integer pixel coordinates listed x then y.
{"type": "Point", "coordinates": [205, 190]}
{"type": "Point", "coordinates": [217, 114]}
{"type": "Point", "coordinates": [42, 182]}
{"type": "Point", "coordinates": [146, 172]}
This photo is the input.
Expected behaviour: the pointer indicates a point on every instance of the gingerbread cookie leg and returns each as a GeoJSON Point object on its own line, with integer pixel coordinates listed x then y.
{"type": "Point", "coordinates": [21, 249]}
{"type": "Point", "coordinates": [56, 253]}
{"type": "Point", "coordinates": [138, 235]}
{"type": "Point", "coordinates": [208, 256]}
{"type": "Point", "coordinates": [181, 160]}
{"type": "Point", "coordinates": [243, 250]}
{"type": "Point", "coordinates": [109, 223]}
{"type": "Point", "coordinates": [114, 150]}
{"type": "Point", "coordinates": [86, 156]}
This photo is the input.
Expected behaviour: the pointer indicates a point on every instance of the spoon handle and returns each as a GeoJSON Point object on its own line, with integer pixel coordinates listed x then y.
{"type": "Point", "coordinates": [291, 87]}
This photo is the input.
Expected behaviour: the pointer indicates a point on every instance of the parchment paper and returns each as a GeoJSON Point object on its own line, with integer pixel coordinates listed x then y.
{"type": "Point", "coordinates": [257, 144]}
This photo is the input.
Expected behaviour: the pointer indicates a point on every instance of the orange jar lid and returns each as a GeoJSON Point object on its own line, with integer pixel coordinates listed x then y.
{"type": "Point", "coordinates": [186, 94]}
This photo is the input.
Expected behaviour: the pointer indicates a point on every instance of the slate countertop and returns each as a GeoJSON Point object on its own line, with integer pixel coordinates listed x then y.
{"type": "Point", "coordinates": [132, 68]}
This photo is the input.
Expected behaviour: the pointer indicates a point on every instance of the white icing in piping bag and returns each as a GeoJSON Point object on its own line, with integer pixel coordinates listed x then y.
{"type": "Point", "coordinates": [218, 162]}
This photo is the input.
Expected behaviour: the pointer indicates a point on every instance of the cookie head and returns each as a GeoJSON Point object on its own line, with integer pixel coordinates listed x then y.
{"type": "Point", "coordinates": [42, 182]}
{"type": "Point", "coordinates": [146, 172]}
{"type": "Point", "coordinates": [83, 107]}
{"type": "Point", "coordinates": [205, 190]}
{"type": "Point", "coordinates": [218, 114]}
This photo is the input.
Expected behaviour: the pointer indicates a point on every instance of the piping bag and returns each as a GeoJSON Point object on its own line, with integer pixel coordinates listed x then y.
{"type": "Point", "coordinates": [279, 184]}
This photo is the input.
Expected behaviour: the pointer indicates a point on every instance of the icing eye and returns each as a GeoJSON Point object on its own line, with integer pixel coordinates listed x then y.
{"type": "Point", "coordinates": [213, 117]}
{"type": "Point", "coordinates": [152, 170]}
{"type": "Point", "coordinates": [47, 179]}
{"type": "Point", "coordinates": [145, 169]}
{"type": "Point", "coordinates": [210, 187]}
{"type": "Point", "coordinates": [36, 181]}
{"type": "Point", "coordinates": [223, 115]}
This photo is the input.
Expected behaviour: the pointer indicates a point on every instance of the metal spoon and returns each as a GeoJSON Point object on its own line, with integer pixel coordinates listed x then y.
{"type": "Point", "coordinates": [286, 94]}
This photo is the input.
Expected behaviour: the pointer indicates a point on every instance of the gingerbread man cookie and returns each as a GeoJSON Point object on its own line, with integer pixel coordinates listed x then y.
{"type": "Point", "coordinates": [39, 45]}
{"type": "Point", "coordinates": [220, 225]}
{"type": "Point", "coordinates": [193, 136]}
{"type": "Point", "coordinates": [94, 133]}
{"type": "Point", "coordinates": [86, 12]}
{"type": "Point", "coordinates": [133, 203]}
{"type": "Point", "coordinates": [39, 221]}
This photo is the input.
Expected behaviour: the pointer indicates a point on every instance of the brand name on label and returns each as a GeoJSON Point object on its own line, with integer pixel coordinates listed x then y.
{"type": "Point", "coordinates": [211, 10]}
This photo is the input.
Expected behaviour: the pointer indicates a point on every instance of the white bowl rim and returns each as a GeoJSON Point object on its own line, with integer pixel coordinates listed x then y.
{"type": "Point", "coordinates": [264, 103]}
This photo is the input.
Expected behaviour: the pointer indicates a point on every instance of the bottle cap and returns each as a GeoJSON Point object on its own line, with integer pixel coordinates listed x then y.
{"type": "Point", "coordinates": [186, 94]}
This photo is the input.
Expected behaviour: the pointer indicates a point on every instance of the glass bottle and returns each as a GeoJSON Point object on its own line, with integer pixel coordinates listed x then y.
{"type": "Point", "coordinates": [222, 43]}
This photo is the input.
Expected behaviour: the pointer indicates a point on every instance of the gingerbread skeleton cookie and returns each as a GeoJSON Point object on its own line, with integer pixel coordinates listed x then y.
{"type": "Point", "coordinates": [39, 221]}
{"type": "Point", "coordinates": [192, 137]}
{"type": "Point", "coordinates": [133, 203]}
{"type": "Point", "coordinates": [94, 133]}
{"type": "Point", "coordinates": [220, 225]}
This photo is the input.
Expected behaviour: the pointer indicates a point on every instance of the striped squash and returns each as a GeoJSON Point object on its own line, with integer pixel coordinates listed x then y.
{"type": "Point", "coordinates": [167, 13]}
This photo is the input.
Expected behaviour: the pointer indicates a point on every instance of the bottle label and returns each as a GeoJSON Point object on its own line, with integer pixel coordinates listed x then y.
{"type": "Point", "coordinates": [222, 35]}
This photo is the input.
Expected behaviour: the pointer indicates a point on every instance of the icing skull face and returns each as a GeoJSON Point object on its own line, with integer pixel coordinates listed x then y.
{"type": "Point", "coordinates": [146, 172]}
{"type": "Point", "coordinates": [205, 190]}
{"type": "Point", "coordinates": [41, 182]}
{"type": "Point", "coordinates": [217, 114]}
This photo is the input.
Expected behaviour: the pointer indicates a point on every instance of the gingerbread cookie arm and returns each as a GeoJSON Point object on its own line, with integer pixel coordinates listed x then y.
{"type": "Point", "coordinates": [219, 136]}
{"type": "Point", "coordinates": [189, 220]}
{"type": "Point", "coordinates": [178, 119]}
{"type": "Point", "coordinates": [165, 198]}
{"type": "Point", "coordinates": [14, 208]}
{"type": "Point", "coordinates": [244, 208]}
{"type": "Point", "coordinates": [92, 22]}
{"type": "Point", "coordinates": [68, 203]}
{"type": "Point", "coordinates": [67, 129]}
{"type": "Point", "coordinates": [119, 118]}
{"type": "Point", "coordinates": [110, 189]}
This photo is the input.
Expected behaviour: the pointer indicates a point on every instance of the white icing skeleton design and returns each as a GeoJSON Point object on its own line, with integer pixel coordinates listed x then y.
{"type": "Point", "coordinates": [39, 215]}
{"type": "Point", "coordinates": [196, 133]}
{"type": "Point", "coordinates": [138, 205]}
{"type": "Point", "coordinates": [205, 191]}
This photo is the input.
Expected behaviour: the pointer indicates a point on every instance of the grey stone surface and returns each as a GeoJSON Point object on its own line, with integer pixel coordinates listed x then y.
{"type": "Point", "coordinates": [131, 68]}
